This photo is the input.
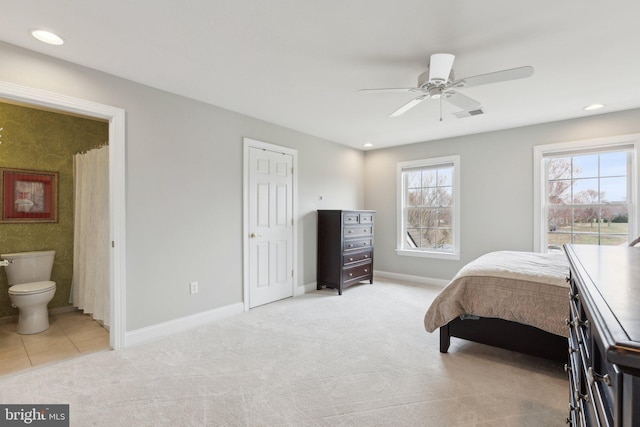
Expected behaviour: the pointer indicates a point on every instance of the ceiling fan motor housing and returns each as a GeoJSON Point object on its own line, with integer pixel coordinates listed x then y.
{"type": "Point", "coordinates": [423, 79]}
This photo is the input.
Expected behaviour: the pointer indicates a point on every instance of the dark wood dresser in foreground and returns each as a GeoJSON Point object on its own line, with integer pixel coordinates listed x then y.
{"type": "Point", "coordinates": [345, 248]}
{"type": "Point", "coordinates": [604, 342]}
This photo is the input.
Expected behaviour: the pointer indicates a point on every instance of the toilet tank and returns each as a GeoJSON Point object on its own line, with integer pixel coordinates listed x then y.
{"type": "Point", "coordinates": [29, 267]}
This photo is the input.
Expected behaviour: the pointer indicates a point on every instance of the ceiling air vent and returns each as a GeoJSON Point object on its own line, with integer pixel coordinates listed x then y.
{"type": "Point", "coordinates": [463, 114]}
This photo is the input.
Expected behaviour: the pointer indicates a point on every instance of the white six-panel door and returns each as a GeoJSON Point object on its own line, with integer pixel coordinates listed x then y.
{"type": "Point", "coordinates": [270, 226]}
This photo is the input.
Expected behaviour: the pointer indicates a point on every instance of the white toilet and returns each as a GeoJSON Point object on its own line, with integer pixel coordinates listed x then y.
{"type": "Point", "coordinates": [30, 288]}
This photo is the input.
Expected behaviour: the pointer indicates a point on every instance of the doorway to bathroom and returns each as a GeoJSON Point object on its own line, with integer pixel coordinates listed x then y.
{"type": "Point", "coordinates": [116, 142]}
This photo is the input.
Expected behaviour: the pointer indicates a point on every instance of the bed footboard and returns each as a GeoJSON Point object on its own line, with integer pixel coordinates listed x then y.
{"type": "Point", "coordinates": [506, 334]}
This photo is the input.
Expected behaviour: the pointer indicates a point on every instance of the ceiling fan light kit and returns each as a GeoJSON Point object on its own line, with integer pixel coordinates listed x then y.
{"type": "Point", "coordinates": [438, 82]}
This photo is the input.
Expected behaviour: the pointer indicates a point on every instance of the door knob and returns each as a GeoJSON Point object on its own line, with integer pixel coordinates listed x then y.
{"type": "Point", "coordinates": [254, 235]}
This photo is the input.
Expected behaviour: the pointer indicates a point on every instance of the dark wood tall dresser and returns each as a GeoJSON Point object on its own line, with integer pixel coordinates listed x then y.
{"type": "Point", "coordinates": [604, 342]}
{"type": "Point", "coordinates": [345, 248]}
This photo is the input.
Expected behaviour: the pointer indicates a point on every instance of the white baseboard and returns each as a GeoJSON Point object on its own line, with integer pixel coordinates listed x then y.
{"type": "Point", "coordinates": [148, 333]}
{"type": "Point", "coordinates": [311, 287]}
{"type": "Point", "coordinates": [305, 289]}
{"type": "Point", "coordinates": [409, 278]}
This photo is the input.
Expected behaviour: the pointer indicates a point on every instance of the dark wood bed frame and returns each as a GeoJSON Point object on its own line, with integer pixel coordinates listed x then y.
{"type": "Point", "coordinates": [508, 335]}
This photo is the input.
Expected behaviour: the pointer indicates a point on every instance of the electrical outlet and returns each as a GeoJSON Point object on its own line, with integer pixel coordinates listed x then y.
{"type": "Point", "coordinates": [194, 288]}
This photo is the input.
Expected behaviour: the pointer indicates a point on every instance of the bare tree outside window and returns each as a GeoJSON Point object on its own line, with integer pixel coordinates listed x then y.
{"type": "Point", "coordinates": [586, 199]}
{"type": "Point", "coordinates": [429, 201]}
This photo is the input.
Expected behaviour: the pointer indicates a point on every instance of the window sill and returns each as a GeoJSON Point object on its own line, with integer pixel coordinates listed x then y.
{"type": "Point", "coordinates": [428, 254]}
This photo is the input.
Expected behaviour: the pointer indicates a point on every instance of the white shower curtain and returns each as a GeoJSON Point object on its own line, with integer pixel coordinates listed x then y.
{"type": "Point", "coordinates": [90, 284]}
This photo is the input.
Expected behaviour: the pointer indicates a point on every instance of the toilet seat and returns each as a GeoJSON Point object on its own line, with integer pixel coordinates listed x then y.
{"type": "Point", "coordinates": [32, 288]}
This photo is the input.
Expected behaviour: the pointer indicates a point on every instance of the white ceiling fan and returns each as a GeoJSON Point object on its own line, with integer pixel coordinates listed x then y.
{"type": "Point", "coordinates": [438, 82]}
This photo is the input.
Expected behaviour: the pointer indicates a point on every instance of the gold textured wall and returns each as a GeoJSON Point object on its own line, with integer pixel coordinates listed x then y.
{"type": "Point", "coordinates": [44, 140]}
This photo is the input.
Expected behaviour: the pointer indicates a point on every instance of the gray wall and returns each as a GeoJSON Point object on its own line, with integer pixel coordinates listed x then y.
{"type": "Point", "coordinates": [184, 186]}
{"type": "Point", "coordinates": [496, 188]}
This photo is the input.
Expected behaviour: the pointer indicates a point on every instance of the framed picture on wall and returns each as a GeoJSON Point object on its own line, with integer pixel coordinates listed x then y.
{"type": "Point", "coordinates": [28, 195]}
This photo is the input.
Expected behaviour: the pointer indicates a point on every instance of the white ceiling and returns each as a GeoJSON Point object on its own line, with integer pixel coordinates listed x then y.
{"type": "Point", "coordinates": [299, 63]}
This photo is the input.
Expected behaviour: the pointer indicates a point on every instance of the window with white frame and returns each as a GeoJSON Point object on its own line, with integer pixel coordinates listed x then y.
{"type": "Point", "coordinates": [428, 208]}
{"type": "Point", "coordinates": [587, 193]}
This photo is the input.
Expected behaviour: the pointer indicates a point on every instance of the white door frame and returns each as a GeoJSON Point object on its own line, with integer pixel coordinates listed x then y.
{"type": "Point", "coordinates": [116, 118]}
{"type": "Point", "coordinates": [252, 143]}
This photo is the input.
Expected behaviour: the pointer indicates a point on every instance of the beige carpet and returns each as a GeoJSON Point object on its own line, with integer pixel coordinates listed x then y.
{"type": "Point", "coordinates": [360, 359]}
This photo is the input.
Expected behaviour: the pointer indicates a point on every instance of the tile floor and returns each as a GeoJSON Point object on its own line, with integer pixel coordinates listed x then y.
{"type": "Point", "coordinates": [69, 335]}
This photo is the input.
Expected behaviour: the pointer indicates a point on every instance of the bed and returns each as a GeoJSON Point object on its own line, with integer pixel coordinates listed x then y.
{"type": "Point", "coordinates": [508, 299]}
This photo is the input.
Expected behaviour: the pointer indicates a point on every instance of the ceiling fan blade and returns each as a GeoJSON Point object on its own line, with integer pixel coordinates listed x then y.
{"type": "Point", "coordinates": [495, 77]}
{"type": "Point", "coordinates": [440, 67]}
{"type": "Point", "coordinates": [462, 101]}
{"type": "Point", "coordinates": [409, 105]}
{"type": "Point", "coordinates": [391, 89]}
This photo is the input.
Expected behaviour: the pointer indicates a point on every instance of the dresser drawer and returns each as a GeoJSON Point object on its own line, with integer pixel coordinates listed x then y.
{"type": "Point", "coordinates": [366, 218]}
{"type": "Point", "coordinates": [351, 218]}
{"type": "Point", "coordinates": [358, 272]}
{"type": "Point", "coordinates": [352, 245]}
{"type": "Point", "coordinates": [357, 231]}
{"type": "Point", "coordinates": [605, 381]}
{"type": "Point", "coordinates": [357, 218]}
{"type": "Point", "coordinates": [356, 257]}
{"type": "Point", "coordinates": [573, 369]}
{"type": "Point", "coordinates": [580, 327]}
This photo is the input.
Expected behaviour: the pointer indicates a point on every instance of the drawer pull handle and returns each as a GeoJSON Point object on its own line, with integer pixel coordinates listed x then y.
{"type": "Point", "coordinates": [350, 259]}
{"type": "Point", "coordinates": [567, 279]}
{"type": "Point", "coordinates": [593, 376]}
{"type": "Point", "coordinates": [366, 271]}
{"type": "Point", "coordinates": [572, 408]}
{"type": "Point", "coordinates": [572, 350]}
{"type": "Point", "coordinates": [350, 245]}
{"type": "Point", "coordinates": [578, 322]}
{"type": "Point", "coordinates": [350, 231]}
{"type": "Point", "coordinates": [366, 256]}
{"type": "Point", "coordinates": [350, 274]}
{"type": "Point", "coordinates": [364, 244]}
{"type": "Point", "coordinates": [579, 396]}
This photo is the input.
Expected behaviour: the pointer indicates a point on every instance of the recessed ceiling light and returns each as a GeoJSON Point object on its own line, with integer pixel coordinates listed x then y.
{"type": "Point", "coordinates": [47, 37]}
{"type": "Point", "coordinates": [367, 145]}
{"type": "Point", "coordinates": [593, 107]}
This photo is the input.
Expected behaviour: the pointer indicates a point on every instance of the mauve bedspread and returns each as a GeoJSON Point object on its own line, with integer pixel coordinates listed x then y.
{"type": "Point", "coordinates": [523, 287]}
